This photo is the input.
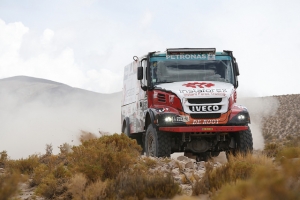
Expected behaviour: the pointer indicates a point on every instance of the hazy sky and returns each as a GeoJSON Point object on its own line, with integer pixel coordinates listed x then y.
{"type": "Point", "coordinates": [86, 43]}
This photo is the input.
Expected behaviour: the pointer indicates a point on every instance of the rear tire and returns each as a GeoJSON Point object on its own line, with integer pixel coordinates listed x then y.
{"type": "Point", "coordinates": [157, 144]}
{"type": "Point", "coordinates": [137, 137]}
{"type": "Point", "coordinates": [206, 156]}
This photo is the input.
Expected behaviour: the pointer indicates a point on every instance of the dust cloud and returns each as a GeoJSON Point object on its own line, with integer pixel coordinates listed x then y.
{"type": "Point", "coordinates": [259, 109]}
{"type": "Point", "coordinates": [34, 113]}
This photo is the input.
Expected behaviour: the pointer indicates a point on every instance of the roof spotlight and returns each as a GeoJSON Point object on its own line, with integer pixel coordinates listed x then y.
{"type": "Point", "coordinates": [135, 58]}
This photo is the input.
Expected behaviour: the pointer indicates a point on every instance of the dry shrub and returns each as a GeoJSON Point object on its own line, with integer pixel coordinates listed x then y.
{"type": "Point", "coordinates": [79, 189]}
{"type": "Point", "coordinates": [50, 160]}
{"type": "Point", "coordinates": [50, 176]}
{"type": "Point", "coordinates": [24, 166]}
{"type": "Point", "coordinates": [77, 185]}
{"type": "Point", "coordinates": [104, 157]}
{"type": "Point", "coordinates": [266, 183]}
{"type": "Point", "coordinates": [48, 186]}
{"type": "Point", "coordinates": [136, 184]}
{"type": "Point", "coordinates": [289, 152]}
{"type": "Point", "coordinates": [272, 149]}
{"type": "Point", "coordinates": [85, 136]}
{"type": "Point", "coordinates": [9, 185]}
{"type": "Point", "coordinates": [3, 158]}
{"type": "Point", "coordinates": [61, 172]}
{"type": "Point", "coordinates": [95, 191]}
{"type": "Point", "coordinates": [65, 148]}
{"type": "Point", "coordinates": [187, 198]}
{"type": "Point", "coordinates": [238, 167]}
{"type": "Point", "coordinates": [289, 159]}
{"type": "Point", "coordinates": [149, 162]}
{"type": "Point", "coordinates": [40, 172]}
{"type": "Point", "coordinates": [49, 149]}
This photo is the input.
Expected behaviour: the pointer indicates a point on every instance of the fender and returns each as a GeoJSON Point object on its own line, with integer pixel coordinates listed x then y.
{"type": "Point", "coordinates": [238, 110]}
{"type": "Point", "coordinates": [151, 112]}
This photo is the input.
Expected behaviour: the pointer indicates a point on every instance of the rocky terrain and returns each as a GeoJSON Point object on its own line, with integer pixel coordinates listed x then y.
{"type": "Point", "coordinates": [284, 124]}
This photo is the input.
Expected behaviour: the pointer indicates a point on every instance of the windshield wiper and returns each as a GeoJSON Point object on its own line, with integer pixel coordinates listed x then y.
{"type": "Point", "coordinates": [166, 82]}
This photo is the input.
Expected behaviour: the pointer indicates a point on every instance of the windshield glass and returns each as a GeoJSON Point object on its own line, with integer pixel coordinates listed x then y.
{"type": "Point", "coordinates": [166, 71]}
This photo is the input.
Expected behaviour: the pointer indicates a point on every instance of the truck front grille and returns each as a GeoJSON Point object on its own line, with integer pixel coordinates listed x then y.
{"type": "Point", "coordinates": [205, 100]}
{"type": "Point", "coordinates": [206, 116]}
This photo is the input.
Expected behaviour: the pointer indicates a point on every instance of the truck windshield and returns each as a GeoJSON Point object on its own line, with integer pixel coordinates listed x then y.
{"type": "Point", "coordinates": [166, 71]}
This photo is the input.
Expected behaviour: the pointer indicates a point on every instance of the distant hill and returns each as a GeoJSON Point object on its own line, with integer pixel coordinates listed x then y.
{"type": "Point", "coordinates": [285, 123]}
{"type": "Point", "coordinates": [35, 112]}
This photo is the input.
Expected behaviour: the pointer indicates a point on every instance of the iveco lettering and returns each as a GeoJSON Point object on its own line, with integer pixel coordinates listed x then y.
{"type": "Point", "coordinates": [184, 100]}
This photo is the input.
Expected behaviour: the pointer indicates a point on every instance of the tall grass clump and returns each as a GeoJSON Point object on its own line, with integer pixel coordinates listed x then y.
{"type": "Point", "coordinates": [78, 188]}
{"type": "Point", "coordinates": [9, 185]}
{"type": "Point", "coordinates": [281, 182]}
{"type": "Point", "coordinates": [239, 167]}
{"type": "Point", "coordinates": [105, 157]}
{"type": "Point", "coordinates": [137, 184]}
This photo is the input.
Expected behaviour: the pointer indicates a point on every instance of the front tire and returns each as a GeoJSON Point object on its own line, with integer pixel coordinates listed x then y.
{"type": "Point", "coordinates": [244, 143]}
{"type": "Point", "coordinates": [157, 144]}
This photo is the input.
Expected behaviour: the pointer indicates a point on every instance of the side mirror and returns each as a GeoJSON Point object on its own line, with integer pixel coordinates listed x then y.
{"type": "Point", "coordinates": [237, 69]}
{"type": "Point", "coordinates": [140, 73]}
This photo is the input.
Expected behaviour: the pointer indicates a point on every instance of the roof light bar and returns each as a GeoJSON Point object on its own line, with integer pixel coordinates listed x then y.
{"type": "Point", "coordinates": [191, 50]}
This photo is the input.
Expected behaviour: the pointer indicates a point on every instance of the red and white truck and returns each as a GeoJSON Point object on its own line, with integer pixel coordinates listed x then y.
{"type": "Point", "coordinates": [184, 100]}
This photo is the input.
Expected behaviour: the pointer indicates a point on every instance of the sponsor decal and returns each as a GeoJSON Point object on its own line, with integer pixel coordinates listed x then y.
{"type": "Point", "coordinates": [205, 121]}
{"type": "Point", "coordinates": [199, 85]}
{"type": "Point", "coordinates": [203, 92]}
{"type": "Point", "coordinates": [205, 108]}
{"type": "Point", "coordinates": [191, 57]}
{"type": "Point", "coordinates": [207, 129]}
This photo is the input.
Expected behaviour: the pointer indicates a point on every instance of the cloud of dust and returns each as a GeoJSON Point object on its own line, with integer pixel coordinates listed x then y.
{"type": "Point", "coordinates": [34, 116]}
{"type": "Point", "coordinates": [259, 108]}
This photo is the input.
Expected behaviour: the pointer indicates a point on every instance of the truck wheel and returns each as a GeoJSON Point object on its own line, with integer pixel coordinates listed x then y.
{"type": "Point", "coordinates": [215, 154]}
{"type": "Point", "coordinates": [127, 127]}
{"type": "Point", "coordinates": [138, 138]}
{"type": "Point", "coordinates": [206, 156]}
{"type": "Point", "coordinates": [244, 143]}
{"type": "Point", "coordinates": [157, 144]}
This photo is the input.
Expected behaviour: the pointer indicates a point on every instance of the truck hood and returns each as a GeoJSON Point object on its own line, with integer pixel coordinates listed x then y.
{"type": "Point", "coordinates": [196, 89]}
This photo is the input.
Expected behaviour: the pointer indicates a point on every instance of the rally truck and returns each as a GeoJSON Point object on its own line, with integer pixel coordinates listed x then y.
{"type": "Point", "coordinates": [184, 100]}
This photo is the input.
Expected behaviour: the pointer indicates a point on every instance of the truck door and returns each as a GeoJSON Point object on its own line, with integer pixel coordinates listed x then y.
{"type": "Point", "coordinates": [142, 102]}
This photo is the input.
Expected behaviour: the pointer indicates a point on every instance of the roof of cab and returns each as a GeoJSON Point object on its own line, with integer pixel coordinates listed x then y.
{"type": "Point", "coordinates": [159, 53]}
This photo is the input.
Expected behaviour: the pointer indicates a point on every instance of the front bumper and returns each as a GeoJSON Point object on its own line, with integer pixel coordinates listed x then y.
{"type": "Point", "coordinates": [187, 129]}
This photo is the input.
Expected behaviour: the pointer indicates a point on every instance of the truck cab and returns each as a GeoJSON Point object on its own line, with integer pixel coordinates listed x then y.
{"type": "Point", "coordinates": [185, 101]}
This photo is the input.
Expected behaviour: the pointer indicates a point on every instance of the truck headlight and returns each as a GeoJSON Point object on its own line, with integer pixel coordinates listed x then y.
{"type": "Point", "coordinates": [168, 119]}
{"type": "Point", "coordinates": [241, 117]}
